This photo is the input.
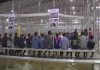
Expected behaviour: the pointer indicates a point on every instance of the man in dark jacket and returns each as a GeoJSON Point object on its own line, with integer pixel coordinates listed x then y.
{"type": "Point", "coordinates": [4, 40]}
{"type": "Point", "coordinates": [21, 40]}
{"type": "Point", "coordinates": [0, 40]}
{"type": "Point", "coordinates": [91, 44]}
{"type": "Point", "coordinates": [16, 41]}
{"type": "Point", "coordinates": [75, 43]}
{"type": "Point", "coordinates": [29, 41]}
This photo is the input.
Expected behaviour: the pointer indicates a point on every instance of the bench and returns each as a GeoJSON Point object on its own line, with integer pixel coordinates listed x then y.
{"type": "Point", "coordinates": [30, 52]}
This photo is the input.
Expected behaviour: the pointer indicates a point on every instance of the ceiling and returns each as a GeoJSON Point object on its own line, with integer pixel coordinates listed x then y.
{"type": "Point", "coordinates": [1, 1]}
{"type": "Point", "coordinates": [67, 7]}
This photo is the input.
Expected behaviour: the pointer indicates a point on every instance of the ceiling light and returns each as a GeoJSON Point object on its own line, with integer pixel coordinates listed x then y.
{"type": "Point", "coordinates": [6, 27]}
{"type": "Point", "coordinates": [7, 20]}
{"type": "Point", "coordinates": [71, 0]}
{"type": "Point", "coordinates": [12, 11]}
{"type": "Point", "coordinates": [92, 8]}
{"type": "Point", "coordinates": [73, 7]}
{"type": "Point", "coordinates": [41, 21]}
{"type": "Point", "coordinates": [75, 21]}
{"type": "Point", "coordinates": [96, 7]}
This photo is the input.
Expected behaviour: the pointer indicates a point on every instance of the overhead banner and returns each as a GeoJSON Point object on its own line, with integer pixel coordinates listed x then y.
{"type": "Point", "coordinates": [53, 17]}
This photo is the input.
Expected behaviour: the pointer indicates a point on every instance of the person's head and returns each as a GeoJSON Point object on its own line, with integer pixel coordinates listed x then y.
{"type": "Point", "coordinates": [75, 30]}
{"type": "Point", "coordinates": [36, 34]}
{"type": "Point", "coordinates": [0, 35]}
{"type": "Point", "coordinates": [89, 29]}
{"type": "Point", "coordinates": [10, 35]}
{"type": "Point", "coordinates": [64, 34]}
{"type": "Point", "coordinates": [42, 34]}
{"type": "Point", "coordinates": [85, 30]}
{"type": "Point", "coordinates": [75, 34]}
{"type": "Point", "coordinates": [21, 35]}
{"type": "Point", "coordinates": [29, 35]}
{"type": "Point", "coordinates": [5, 34]}
{"type": "Point", "coordinates": [49, 33]}
{"type": "Point", "coordinates": [82, 33]}
{"type": "Point", "coordinates": [60, 33]}
{"type": "Point", "coordinates": [15, 34]}
{"type": "Point", "coordinates": [57, 34]}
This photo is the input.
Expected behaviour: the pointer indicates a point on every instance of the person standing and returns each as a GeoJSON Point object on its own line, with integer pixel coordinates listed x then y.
{"type": "Point", "coordinates": [64, 42]}
{"type": "Point", "coordinates": [91, 44]}
{"type": "Point", "coordinates": [57, 41]}
{"type": "Point", "coordinates": [22, 41]}
{"type": "Point", "coordinates": [28, 41]}
{"type": "Point", "coordinates": [9, 41]}
{"type": "Point", "coordinates": [42, 44]}
{"type": "Point", "coordinates": [4, 40]}
{"type": "Point", "coordinates": [74, 42]}
{"type": "Point", "coordinates": [16, 41]}
{"type": "Point", "coordinates": [90, 33]}
{"type": "Point", "coordinates": [49, 40]}
{"type": "Point", "coordinates": [35, 41]}
{"type": "Point", "coordinates": [83, 43]}
{"type": "Point", "coordinates": [0, 40]}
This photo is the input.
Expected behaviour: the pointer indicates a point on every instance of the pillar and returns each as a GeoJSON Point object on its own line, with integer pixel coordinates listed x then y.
{"type": "Point", "coordinates": [96, 66]}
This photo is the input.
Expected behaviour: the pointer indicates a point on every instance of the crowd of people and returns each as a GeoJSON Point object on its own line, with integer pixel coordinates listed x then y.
{"type": "Point", "coordinates": [51, 41]}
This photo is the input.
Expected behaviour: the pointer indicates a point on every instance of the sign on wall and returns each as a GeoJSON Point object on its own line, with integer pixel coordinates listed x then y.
{"type": "Point", "coordinates": [53, 17]}
{"type": "Point", "coordinates": [10, 21]}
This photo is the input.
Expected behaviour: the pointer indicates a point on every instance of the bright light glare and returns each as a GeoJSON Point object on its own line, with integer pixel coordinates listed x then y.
{"type": "Point", "coordinates": [71, 0]}
{"type": "Point", "coordinates": [7, 20]}
{"type": "Point", "coordinates": [74, 13]}
{"type": "Point", "coordinates": [97, 7]}
{"type": "Point", "coordinates": [12, 11]}
{"type": "Point", "coordinates": [73, 7]}
{"type": "Point", "coordinates": [92, 8]}
{"type": "Point", "coordinates": [42, 21]}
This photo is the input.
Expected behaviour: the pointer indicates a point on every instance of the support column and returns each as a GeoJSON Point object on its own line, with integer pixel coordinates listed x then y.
{"type": "Point", "coordinates": [3, 26]}
{"type": "Point", "coordinates": [96, 66]}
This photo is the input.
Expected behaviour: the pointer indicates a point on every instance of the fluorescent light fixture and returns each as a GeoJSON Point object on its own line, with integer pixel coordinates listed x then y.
{"type": "Point", "coordinates": [73, 7]}
{"type": "Point", "coordinates": [98, 21]}
{"type": "Point", "coordinates": [92, 8]}
{"type": "Point", "coordinates": [41, 21]}
{"type": "Point", "coordinates": [61, 22]}
{"type": "Point", "coordinates": [71, 0]}
{"type": "Point", "coordinates": [6, 27]}
{"type": "Point", "coordinates": [97, 7]}
{"type": "Point", "coordinates": [12, 11]}
{"type": "Point", "coordinates": [7, 20]}
{"type": "Point", "coordinates": [32, 22]}
{"type": "Point", "coordinates": [75, 21]}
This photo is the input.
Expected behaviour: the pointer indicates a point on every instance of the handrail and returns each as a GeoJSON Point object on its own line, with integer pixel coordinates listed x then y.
{"type": "Point", "coordinates": [89, 61]}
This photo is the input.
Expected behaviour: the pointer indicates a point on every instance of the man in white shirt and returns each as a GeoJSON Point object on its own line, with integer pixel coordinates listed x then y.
{"type": "Point", "coordinates": [64, 42]}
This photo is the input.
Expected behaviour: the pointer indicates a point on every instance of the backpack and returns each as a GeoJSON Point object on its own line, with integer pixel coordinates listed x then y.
{"type": "Point", "coordinates": [74, 43]}
{"type": "Point", "coordinates": [90, 45]}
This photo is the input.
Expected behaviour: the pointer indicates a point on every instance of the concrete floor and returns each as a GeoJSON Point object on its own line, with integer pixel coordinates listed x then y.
{"type": "Point", "coordinates": [7, 64]}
